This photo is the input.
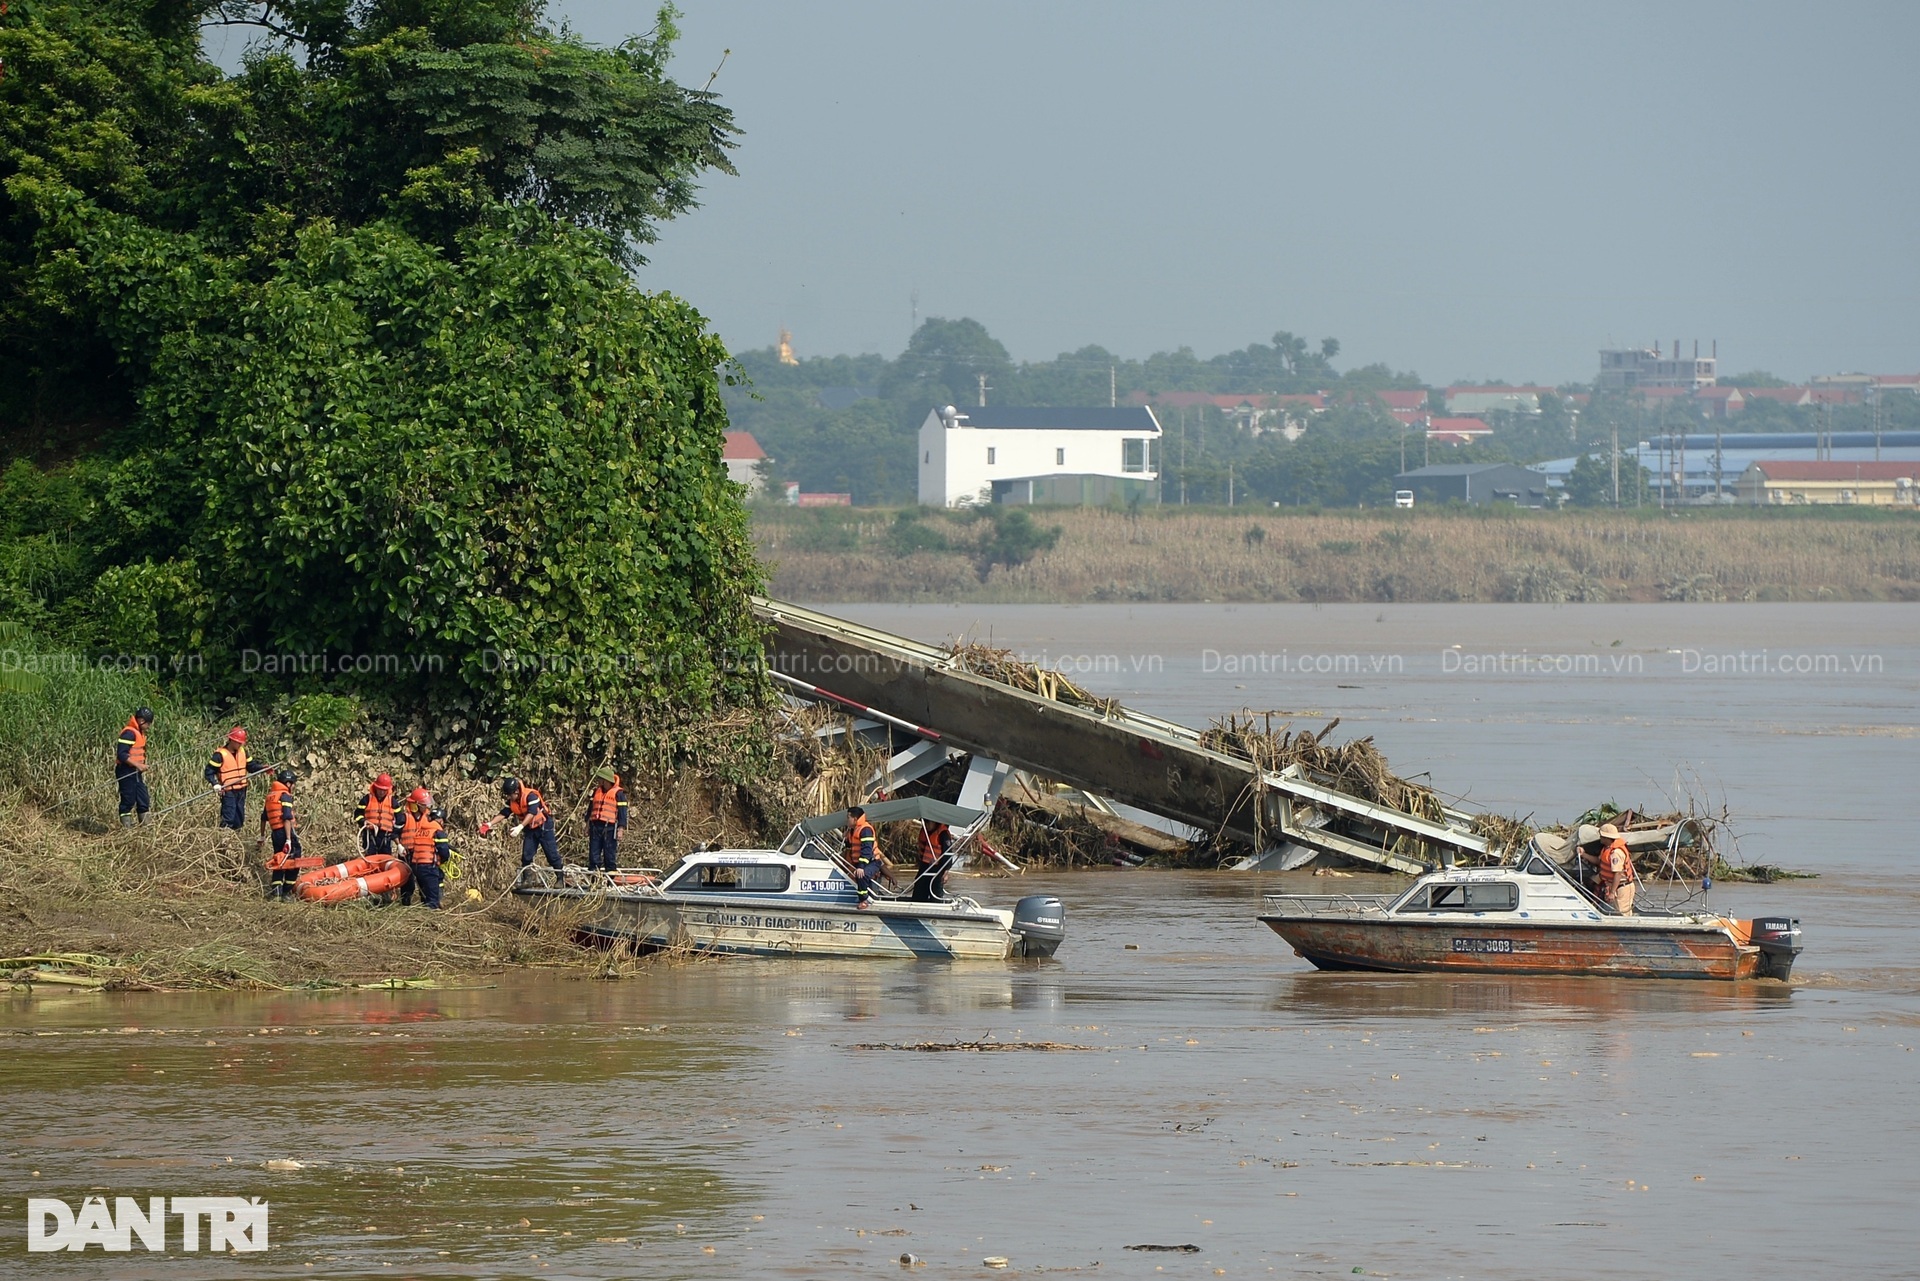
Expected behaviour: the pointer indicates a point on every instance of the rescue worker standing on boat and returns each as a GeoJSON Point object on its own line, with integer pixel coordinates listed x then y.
{"type": "Point", "coordinates": [375, 816]}
{"type": "Point", "coordinates": [130, 768]}
{"type": "Point", "coordinates": [931, 885]}
{"type": "Point", "coordinates": [535, 826]}
{"type": "Point", "coordinates": [606, 821]}
{"type": "Point", "coordinates": [1617, 877]}
{"type": "Point", "coordinates": [423, 841]}
{"type": "Point", "coordinates": [282, 826]}
{"type": "Point", "coordinates": [863, 855]}
{"type": "Point", "coordinates": [229, 770]}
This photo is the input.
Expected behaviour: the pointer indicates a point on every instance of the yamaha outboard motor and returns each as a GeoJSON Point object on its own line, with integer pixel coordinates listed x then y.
{"type": "Point", "coordinates": [1778, 938]}
{"type": "Point", "coordinates": [1039, 925]}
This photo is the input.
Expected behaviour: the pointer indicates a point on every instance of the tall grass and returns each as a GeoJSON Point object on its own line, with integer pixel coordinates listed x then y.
{"type": "Point", "coordinates": [1175, 554]}
{"type": "Point", "coordinates": [57, 736]}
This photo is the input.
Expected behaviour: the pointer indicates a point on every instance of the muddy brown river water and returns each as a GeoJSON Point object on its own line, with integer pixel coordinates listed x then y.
{"type": "Point", "coordinates": [723, 1119]}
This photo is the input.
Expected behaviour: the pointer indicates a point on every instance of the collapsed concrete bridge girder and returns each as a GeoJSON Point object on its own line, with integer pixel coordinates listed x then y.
{"type": "Point", "coordinates": [1143, 761]}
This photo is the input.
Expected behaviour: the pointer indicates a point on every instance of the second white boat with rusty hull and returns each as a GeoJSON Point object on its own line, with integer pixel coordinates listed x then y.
{"type": "Point", "coordinates": [1527, 919]}
{"type": "Point", "coordinates": [798, 900]}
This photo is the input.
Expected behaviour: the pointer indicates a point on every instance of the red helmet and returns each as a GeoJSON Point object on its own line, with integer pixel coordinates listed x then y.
{"type": "Point", "coordinates": [384, 782]}
{"type": "Point", "coordinates": [237, 736]}
{"type": "Point", "coordinates": [420, 796]}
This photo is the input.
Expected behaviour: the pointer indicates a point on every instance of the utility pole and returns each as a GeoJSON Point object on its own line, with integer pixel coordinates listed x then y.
{"type": "Point", "coordinates": [1616, 464]}
{"type": "Point", "coordinates": [983, 390]}
{"type": "Point", "coordinates": [1229, 484]}
{"type": "Point", "coordinates": [1113, 389]}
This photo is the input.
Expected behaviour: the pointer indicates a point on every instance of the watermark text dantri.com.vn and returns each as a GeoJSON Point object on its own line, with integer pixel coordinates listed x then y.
{"type": "Point", "coordinates": [1285, 662]}
{"type": "Point", "coordinates": [231, 1223]}
{"type": "Point", "coordinates": [1523, 662]}
{"type": "Point", "coordinates": [1767, 662]}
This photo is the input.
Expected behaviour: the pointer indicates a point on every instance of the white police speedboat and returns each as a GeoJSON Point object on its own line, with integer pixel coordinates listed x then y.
{"type": "Point", "coordinates": [799, 900]}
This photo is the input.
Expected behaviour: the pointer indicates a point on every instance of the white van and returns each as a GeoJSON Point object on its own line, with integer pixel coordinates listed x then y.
{"type": "Point", "coordinates": [1403, 498]}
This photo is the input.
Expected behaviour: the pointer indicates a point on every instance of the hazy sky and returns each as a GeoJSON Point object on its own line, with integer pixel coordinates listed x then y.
{"type": "Point", "coordinates": [1468, 190]}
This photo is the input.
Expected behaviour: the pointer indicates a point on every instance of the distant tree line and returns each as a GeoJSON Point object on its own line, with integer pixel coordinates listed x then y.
{"type": "Point", "coordinates": [847, 424]}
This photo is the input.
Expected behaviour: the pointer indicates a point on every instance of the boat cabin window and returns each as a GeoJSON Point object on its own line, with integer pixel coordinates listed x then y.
{"type": "Point", "coordinates": [736, 878]}
{"type": "Point", "coordinates": [1473, 896]}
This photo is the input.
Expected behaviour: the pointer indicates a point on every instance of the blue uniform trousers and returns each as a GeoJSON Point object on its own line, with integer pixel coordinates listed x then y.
{"type": "Point", "coordinates": [535, 839]}
{"type": "Point", "coordinates": [134, 798]}
{"type": "Point", "coordinates": [427, 878]}
{"type": "Point", "coordinates": [603, 846]}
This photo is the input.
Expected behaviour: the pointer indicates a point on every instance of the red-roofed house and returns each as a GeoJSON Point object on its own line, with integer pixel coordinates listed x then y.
{"type": "Point", "coordinates": [1718, 402]}
{"type": "Point", "coordinates": [1478, 401]}
{"type": "Point", "coordinates": [1780, 395]}
{"type": "Point", "coordinates": [1784, 483]}
{"type": "Point", "coordinates": [1456, 431]}
{"type": "Point", "coordinates": [1257, 412]}
{"type": "Point", "coordinates": [1412, 401]}
{"type": "Point", "coordinates": [1909, 383]}
{"type": "Point", "coordinates": [742, 454]}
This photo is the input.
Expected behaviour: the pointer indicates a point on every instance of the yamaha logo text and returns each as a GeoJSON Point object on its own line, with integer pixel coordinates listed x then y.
{"type": "Point", "coordinates": [222, 1223]}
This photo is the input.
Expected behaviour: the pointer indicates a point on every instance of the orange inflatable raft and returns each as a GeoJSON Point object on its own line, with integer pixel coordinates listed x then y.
{"type": "Point", "coordinates": [356, 878]}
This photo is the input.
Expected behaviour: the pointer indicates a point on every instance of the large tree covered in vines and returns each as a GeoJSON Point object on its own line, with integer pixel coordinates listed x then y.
{"type": "Point", "coordinates": [366, 365]}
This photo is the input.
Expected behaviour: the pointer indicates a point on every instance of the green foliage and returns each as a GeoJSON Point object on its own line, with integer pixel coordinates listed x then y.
{"type": "Point", "coordinates": [1590, 483]}
{"type": "Point", "coordinates": [319, 716]}
{"type": "Point", "coordinates": [1011, 539]}
{"type": "Point", "coordinates": [908, 534]}
{"type": "Point", "coordinates": [16, 676]}
{"type": "Point", "coordinates": [868, 448]}
{"type": "Point", "coordinates": [389, 390]}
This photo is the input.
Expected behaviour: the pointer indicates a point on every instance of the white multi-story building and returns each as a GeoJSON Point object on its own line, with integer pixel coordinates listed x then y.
{"type": "Point", "coordinates": [1005, 454]}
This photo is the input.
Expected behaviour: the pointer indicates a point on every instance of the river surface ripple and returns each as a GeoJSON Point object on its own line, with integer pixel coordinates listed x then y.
{"type": "Point", "coordinates": [726, 1119]}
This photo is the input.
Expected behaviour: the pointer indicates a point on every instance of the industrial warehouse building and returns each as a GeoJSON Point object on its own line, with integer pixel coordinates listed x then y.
{"type": "Point", "coordinates": [1774, 482]}
{"type": "Point", "coordinates": [1475, 484]}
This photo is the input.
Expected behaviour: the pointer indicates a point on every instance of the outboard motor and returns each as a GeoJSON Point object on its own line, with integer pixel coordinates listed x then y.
{"type": "Point", "coordinates": [1039, 925]}
{"type": "Point", "coordinates": [1778, 938]}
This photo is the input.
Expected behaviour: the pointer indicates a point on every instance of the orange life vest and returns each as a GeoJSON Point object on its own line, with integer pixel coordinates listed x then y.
{"type": "Point", "coordinates": [379, 811]}
{"type": "Point", "coordinates": [930, 850]}
{"type": "Point", "coordinates": [1616, 864]}
{"type": "Point", "coordinates": [518, 806]}
{"type": "Point", "coordinates": [137, 753]}
{"type": "Point", "coordinates": [276, 808]}
{"type": "Point", "coordinates": [859, 832]}
{"type": "Point", "coordinates": [605, 807]}
{"type": "Point", "coordinates": [234, 763]}
{"type": "Point", "coordinates": [417, 838]}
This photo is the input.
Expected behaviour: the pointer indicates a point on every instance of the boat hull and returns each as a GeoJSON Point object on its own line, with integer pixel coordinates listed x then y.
{"type": "Point", "coordinates": [749, 928]}
{"type": "Point", "coordinates": [1644, 949]}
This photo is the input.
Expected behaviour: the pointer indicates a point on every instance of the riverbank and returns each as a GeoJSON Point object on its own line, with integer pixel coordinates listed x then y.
{"type": "Point", "coordinates": [1197, 555]}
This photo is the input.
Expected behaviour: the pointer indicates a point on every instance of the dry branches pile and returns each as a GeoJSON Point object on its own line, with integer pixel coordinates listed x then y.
{"type": "Point", "coordinates": [1002, 665]}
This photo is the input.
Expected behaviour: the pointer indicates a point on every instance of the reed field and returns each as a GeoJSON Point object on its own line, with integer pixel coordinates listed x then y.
{"type": "Point", "coordinates": [1187, 554]}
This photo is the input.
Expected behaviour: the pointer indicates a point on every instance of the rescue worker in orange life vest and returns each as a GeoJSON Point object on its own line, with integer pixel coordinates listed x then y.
{"type": "Point", "coordinates": [422, 834]}
{"type": "Point", "coordinates": [606, 821]}
{"type": "Point", "coordinates": [375, 817]}
{"type": "Point", "coordinates": [863, 855]}
{"type": "Point", "coordinates": [535, 828]}
{"type": "Point", "coordinates": [282, 825]}
{"type": "Point", "coordinates": [229, 770]}
{"type": "Point", "coordinates": [130, 768]}
{"type": "Point", "coordinates": [931, 885]}
{"type": "Point", "coordinates": [1617, 876]}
